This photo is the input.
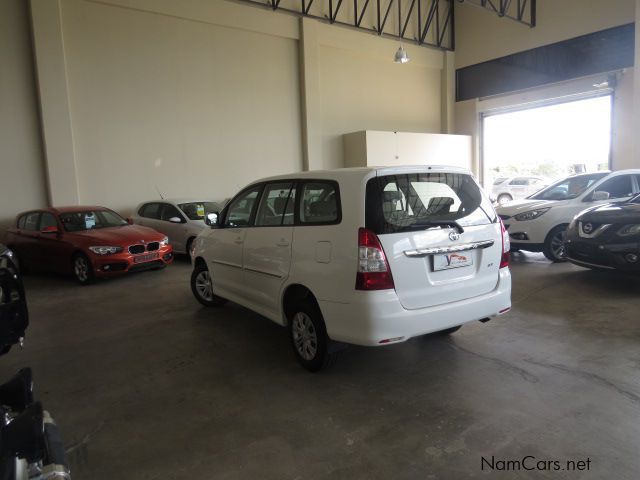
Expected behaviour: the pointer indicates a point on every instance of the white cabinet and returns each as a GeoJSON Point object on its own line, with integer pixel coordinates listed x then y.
{"type": "Point", "coordinates": [375, 148]}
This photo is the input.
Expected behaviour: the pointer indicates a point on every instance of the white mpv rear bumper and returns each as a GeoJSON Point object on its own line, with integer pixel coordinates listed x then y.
{"type": "Point", "coordinates": [378, 316]}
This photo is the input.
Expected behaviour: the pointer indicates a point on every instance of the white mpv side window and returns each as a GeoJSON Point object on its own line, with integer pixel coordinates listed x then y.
{"type": "Point", "coordinates": [277, 205]}
{"type": "Point", "coordinates": [241, 208]}
{"type": "Point", "coordinates": [320, 203]}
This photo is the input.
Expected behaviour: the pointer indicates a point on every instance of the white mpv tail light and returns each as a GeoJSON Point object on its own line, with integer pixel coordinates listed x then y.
{"type": "Point", "coordinates": [373, 269]}
{"type": "Point", "coordinates": [506, 246]}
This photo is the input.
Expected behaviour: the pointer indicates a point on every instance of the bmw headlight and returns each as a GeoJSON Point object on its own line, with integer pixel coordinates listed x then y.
{"type": "Point", "coordinates": [629, 230]}
{"type": "Point", "coordinates": [105, 250]}
{"type": "Point", "coordinates": [531, 214]}
{"type": "Point", "coordinates": [164, 242]}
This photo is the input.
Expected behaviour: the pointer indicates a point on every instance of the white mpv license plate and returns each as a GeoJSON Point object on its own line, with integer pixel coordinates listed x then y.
{"type": "Point", "coordinates": [451, 260]}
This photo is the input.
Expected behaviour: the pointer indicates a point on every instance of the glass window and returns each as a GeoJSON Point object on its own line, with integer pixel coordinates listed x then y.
{"type": "Point", "coordinates": [570, 187]}
{"type": "Point", "coordinates": [518, 181]}
{"type": "Point", "coordinates": [47, 221]}
{"type": "Point", "coordinates": [241, 208]}
{"type": "Point", "coordinates": [150, 210]}
{"type": "Point", "coordinates": [21, 221]}
{"type": "Point", "coordinates": [499, 180]}
{"type": "Point", "coordinates": [276, 205]}
{"type": "Point", "coordinates": [31, 221]}
{"type": "Point", "coordinates": [91, 220]}
{"type": "Point", "coordinates": [198, 210]}
{"type": "Point", "coordinates": [169, 211]}
{"type": "Point", "coordinates": [617, 187]}
{"type": "Point", "coordinates": [289, 211]}
{"type": "Point", "coordinates": [397, 203]}
{"type": "Point", "coordinates": [319, 203]}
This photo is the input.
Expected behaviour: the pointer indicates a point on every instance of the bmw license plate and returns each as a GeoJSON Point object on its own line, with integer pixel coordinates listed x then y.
{"type": "Point", "coordinates": [146, 258]}
{"type": "Point", "coordinates": [451, 260]}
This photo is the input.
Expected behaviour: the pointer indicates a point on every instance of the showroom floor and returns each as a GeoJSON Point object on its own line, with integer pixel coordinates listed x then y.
{"type": "Point", "coordinates": [145, 383]}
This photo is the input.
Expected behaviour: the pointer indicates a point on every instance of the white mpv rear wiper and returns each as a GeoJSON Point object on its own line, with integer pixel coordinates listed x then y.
{"type": "Point", "coordinates": [437, 223]}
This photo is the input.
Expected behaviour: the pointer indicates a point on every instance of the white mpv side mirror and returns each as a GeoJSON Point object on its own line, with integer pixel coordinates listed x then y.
{"type": "Point", "coordinates": [211, 219]}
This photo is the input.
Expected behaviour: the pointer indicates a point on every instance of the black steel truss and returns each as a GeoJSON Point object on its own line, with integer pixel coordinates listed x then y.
{"type": "Point", "coordinates": [523, 11]}
{"type": "Point", "coordinates": [433, 20]}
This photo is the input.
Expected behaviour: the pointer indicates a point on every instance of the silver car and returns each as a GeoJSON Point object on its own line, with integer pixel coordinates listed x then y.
{"type": "Point", "coordinates": [513, 188]}
{"type": "Point", "coordinates": [179, 219]}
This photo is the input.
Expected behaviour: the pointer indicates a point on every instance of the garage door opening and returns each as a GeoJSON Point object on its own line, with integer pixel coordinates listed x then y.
{"type": "Point", "coordinates": [527, 149]}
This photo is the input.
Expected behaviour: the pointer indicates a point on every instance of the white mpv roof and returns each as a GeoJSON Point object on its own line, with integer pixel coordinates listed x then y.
{"type": "Point", "coordinates": [338, 173]}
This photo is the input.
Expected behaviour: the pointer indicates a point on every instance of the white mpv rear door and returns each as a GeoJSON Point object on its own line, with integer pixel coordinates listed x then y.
{"type": "Point", "coordinates": [440, 234]}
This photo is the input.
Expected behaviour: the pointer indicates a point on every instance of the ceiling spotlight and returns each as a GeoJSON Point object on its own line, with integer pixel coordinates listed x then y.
{"type": "Point", "coordinates": [401, 56]}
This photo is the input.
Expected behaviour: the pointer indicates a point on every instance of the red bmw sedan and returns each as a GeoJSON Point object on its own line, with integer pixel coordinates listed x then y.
{"type": "Point", "coordinates": [87, 242]}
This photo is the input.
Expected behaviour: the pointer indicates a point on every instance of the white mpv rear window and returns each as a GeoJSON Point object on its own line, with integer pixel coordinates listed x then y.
{"type": "Point", "coordinates": [398, 203]}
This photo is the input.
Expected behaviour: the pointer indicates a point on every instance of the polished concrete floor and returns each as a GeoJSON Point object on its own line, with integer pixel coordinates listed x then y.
{"type": "Point", "coordinates": [147, 384]}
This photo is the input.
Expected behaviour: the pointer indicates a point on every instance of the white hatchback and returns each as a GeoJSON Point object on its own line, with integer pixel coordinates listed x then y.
{"type": "Point", "coordinates": [538, 223]}
{"type": "Point", "coordinates": [180, 220]}
{"type": "Point", "coordinates": [369, 256]}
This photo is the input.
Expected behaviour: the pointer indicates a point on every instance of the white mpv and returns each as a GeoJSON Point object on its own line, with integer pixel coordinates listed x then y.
{"type": "Point", "coordinates": [369, 256]}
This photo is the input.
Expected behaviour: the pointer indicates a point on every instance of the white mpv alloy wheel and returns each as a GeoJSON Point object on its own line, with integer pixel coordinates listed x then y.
{"type": "Point", "coordinates": [202, 287]}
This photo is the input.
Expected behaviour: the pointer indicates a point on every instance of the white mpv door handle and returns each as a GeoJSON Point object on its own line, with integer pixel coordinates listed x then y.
{"type": "Point", "coordinates": [238, 240]}
{"type": "Point", "coordinates": [282, 243]}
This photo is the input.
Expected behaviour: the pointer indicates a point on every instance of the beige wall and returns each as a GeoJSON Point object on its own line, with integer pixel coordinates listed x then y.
{"type": "Point", "coordinates": [467, 123]}
{"type": "Point", "coordinates": [482, 35]}
{"type": "Point", "coordinates": [191, 107]}
{"type": "Point", "coordinates": [360, 88]}
{"type": "Point", "coordinates": [623, 133]}
{"type": "Point", "coordinates": [199, 97]}
{"type": "Point", "coordinates": [22, 184]}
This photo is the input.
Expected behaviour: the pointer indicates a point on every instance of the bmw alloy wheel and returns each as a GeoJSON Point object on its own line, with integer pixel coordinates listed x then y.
{"type": "Point", "coordinates": [81, 269]}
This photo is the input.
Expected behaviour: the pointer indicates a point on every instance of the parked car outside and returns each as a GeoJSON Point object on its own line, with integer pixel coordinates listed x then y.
{"type": "Point", "coordinates": [14, 316]}
{"type": "Point", "coordinates": [538, 223]}
{"type": "Point", "coordinates": [87, 242]}
{"type": "Point", "coordinates": [513, 188]}
{"type": "Point", "coordinates": [181, 219]}
{"type": "Point", "coordinates": [368, 256]}
{"type": "Point", "coordinates": [606, 237]}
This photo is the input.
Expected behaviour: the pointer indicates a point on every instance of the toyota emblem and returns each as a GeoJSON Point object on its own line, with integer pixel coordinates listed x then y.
{"type": "Point", "coordinates": [453, 236]}
{"type": "Point", "coordinates": [587, 228]}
